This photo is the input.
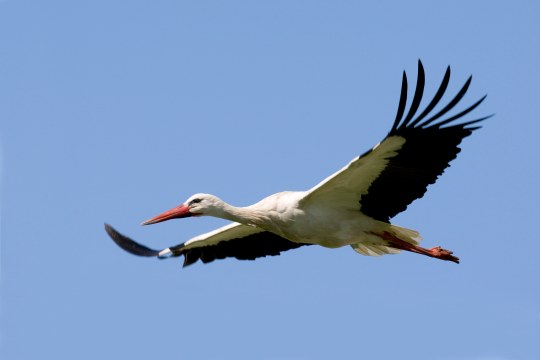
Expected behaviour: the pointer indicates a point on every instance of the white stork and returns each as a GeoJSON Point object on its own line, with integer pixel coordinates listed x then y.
{"type": "Point", "coordinates": [351, 207]}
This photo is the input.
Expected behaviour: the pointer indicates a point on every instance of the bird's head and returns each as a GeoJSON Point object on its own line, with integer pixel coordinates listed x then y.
{"type": "Point", "coordinates": [196, 205]}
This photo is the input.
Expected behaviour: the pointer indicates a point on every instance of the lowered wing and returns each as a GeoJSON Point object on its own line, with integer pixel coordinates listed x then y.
{"type": "Point", "coordinates": [234, 240]}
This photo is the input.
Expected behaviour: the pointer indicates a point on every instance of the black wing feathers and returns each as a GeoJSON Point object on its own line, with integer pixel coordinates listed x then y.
{"type": "Point", "coordinates": [128, 244]}
{"type": "Point", "coordinates": [402, 102]}
{"type": "Point", "coordinates": [246, 248]}
{"type": "Point", "coordinates": [438, 96]}
{"type": "Point", "coordinates": [420, 82]}
{"type": "Point", "coordinates": [429, 147]}
{"type": "Point", "coordinates": [249, 247]}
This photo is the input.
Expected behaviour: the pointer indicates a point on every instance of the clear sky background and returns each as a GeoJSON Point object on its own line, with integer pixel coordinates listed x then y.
{"type": "Point", "coordinates": [114, 111]}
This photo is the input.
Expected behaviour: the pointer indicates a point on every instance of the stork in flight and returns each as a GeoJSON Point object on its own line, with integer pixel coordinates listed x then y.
{"type": "Point", "coordinates": [351, 207]}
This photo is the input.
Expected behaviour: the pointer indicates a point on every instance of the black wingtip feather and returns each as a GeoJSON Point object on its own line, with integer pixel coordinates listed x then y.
{"type": "Point", "coordinates": [418, 93]}
{"type": "Point", "coordinates": [128, 244]}
{"type": "Point", "coordinates": [451, 104]}
{"type": "Point", "coordinates": [438, 96]}
{"type": "Point", "coordinates": [402, 102]}
{"type": "Point", "coordinates": [408, 122]}
{"type": "Point", "coordinates": [462, 113]}
{"type": "Point", "coordinates": [474, 122]}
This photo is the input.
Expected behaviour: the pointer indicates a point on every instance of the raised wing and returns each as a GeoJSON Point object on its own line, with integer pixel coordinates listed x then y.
{"type": "Point", "coordinates": [385, 180]}
{"type": "Point", "coordinates": [234, 240]}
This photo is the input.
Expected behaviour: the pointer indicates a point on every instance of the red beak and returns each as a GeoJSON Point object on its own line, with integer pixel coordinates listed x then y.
{"type": "Point", "coordinates": [180, 211]}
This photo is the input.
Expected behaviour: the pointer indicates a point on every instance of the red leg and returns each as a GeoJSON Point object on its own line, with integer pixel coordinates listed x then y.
{"type": "Point", "coordinates": [436, 252]}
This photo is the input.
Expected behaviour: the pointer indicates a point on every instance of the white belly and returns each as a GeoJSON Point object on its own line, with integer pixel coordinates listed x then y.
{"type": "Point", "coordinates": [330, 227]}
{"type": "Point", "coordinates": [322, 225]}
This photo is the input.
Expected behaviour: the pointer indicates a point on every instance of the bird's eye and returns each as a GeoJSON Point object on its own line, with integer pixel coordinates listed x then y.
{"type": "Point", "coordinates": [194, 201]}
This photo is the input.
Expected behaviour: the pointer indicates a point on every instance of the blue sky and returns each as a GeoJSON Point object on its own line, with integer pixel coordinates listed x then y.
{"type": "Point", "coordinates": [115, 111]}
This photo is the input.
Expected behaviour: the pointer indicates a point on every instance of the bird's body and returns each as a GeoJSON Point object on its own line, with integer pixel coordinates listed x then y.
{"type": "Point", "coordinates": [285, 214]}
{"type": "Point", "coordinates": [351, 207]}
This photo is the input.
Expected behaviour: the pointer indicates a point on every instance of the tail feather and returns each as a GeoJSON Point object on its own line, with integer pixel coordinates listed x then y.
{"type": "Point", "coordinates": [374, 250]}
{"type": "Point", "coordinates": [380, 248]}
{"type": "Point", "coordinates": [408, 235]}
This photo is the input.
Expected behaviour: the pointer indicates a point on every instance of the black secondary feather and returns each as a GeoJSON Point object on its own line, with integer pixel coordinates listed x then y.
{"type": "Point", "coordinates": [249, 247]}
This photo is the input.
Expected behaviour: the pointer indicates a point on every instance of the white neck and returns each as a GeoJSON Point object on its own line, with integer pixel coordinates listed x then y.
{"type": "Point", "coordinates": [243, 215]}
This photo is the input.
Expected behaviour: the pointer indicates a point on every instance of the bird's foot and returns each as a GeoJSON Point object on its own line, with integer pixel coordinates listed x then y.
{"type": "Point", "coordinates": [443, 254]}
{"type": "Point", "coordinates": [436, 252]}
